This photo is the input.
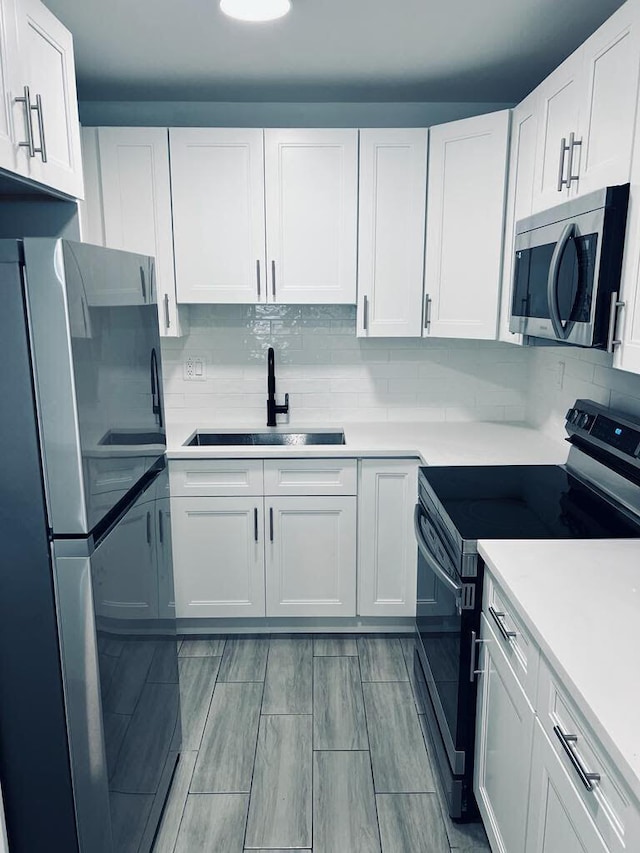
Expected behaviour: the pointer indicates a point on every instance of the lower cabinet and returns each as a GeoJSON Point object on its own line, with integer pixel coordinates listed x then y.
{"type": "Point", "coordinates": [503, 749]}
{"type": "Point", "coordinates": [218, 546]}
{"type": "Point", "coordinates": [311, 556]}
{"type": "Point", "coordinates": [558, 821]}
{"type": "Point", "coordinates": [387, 550]}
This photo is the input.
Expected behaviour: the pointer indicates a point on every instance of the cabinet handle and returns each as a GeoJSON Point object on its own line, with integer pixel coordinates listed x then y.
{"type": "Point", "coordinates": [271, 523]}
{"type": "Point", "coordinates": [258, 276]}
{"type": "Point", "coordinates": [365, 313]}
{"type": "Point", "coordinates": [160, 527]}
{"type": "Point", "coordinates": [573, 143]}
{"type": "Point", "coordinates": [475, 641]}
{"type": "Point", "coordinates": [273, 279]}
{"type": "Point", "coordinates": [563, 150]}
{"type": "Point", "coordinates": [427, 310]}
{"type": "Point", "coordinates": [143, 285]}
{"type": "Point", "coordinates": [612, 341]}
{"type": "Point", "coordinates": [566, 740]}
{"type": "Point", "coordinates": [148, 528]}
{"type": "Point", "coordinates": [26, 100]}
{"type": "Point", "coordinates": [255, 523]}
{"type": "Point", "coordinates": [42, 151]}
{"type": "Point", "coordinates": [497, 618]}
{"type": "Point", "coordinates": [167, 319]}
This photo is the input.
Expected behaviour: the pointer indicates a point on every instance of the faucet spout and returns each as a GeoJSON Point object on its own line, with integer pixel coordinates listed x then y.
{"type": "Point", "coordinates": [273, 408]}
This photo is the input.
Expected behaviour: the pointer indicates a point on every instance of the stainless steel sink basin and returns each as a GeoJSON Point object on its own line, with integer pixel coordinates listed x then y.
{"type": "Point", "coordinates": [117, 438]}
{"type": "Point", "coordinates": [230, 439]}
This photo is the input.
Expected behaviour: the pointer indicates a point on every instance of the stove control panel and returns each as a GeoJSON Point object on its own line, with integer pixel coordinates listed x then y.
{"type": "Point", "coordinates": [605, 428]}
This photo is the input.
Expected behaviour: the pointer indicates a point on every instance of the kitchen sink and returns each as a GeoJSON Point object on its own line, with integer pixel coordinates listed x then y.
{"type": "Point", "coordinates": [117, 438]}
{"type": "Point", "coordinates": [230, 439]}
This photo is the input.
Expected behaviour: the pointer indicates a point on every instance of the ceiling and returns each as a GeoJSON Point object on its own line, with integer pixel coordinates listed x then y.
{"type": "Point", "coordinates": [324, 50]}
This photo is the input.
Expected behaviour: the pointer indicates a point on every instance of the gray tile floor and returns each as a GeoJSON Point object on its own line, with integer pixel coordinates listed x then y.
{"type": "Point", "coordinates": [307, 743]}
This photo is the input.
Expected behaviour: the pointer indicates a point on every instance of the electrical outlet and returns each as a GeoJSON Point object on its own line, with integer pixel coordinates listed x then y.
{"type": "Point", "coordinates": [194, 368]}
{"type": "Point", "coordinates": [560, 375]}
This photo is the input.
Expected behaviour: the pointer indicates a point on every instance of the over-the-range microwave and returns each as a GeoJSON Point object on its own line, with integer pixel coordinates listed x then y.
{"type": "Point", "coordinates": [568, 263]}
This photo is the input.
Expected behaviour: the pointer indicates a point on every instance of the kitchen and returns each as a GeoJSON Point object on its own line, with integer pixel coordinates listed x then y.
{"type": "Point", "coordinates": [414, 364]}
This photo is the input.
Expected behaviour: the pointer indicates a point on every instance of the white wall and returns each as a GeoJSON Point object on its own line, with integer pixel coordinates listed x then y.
{"type": "Point", "coordinates": [557, 376]}
{"type": "Point", "coordinates": [332, 376]}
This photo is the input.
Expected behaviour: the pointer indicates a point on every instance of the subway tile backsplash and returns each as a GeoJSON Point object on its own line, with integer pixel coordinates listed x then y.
{"type": "Point", "coordinates": [331, 376]}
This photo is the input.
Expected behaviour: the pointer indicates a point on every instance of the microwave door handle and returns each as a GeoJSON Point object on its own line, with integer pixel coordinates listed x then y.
{"type": "Point", "coordinates": [430, 559]}
{"type": "Point", "coordinates": [552, 281]}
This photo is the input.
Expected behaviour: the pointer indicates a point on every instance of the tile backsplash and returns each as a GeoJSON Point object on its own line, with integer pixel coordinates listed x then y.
{"type": "Point", "coordinates": [332, 376]}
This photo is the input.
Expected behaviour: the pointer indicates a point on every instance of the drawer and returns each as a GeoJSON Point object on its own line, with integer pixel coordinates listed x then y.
{"type": "Point", "coordinates": [607, 802]}
{"type": "Point", "coordinates": [522, 653]}
{"type": "Point", "coordinates": [216, 478]}
{"type": "Point", "coordinates": [310, 477]}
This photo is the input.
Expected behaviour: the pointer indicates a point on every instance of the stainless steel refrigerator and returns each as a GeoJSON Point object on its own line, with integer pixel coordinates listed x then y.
{"type": "Point", "coordinates": [89, 698]}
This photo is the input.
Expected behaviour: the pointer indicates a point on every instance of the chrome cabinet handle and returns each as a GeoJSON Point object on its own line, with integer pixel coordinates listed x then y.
{"type": "Point", "coordinates": [42, 151]}
{"type": "Point", "coordinates": [160, 527]}
{"type": "Point", "coordinates": [497, 618]}
{"type": "Point", "coordinates": [271, 523]}
{"type": "Point", "coordinates": [255, 523]}
{"type": "Point", "coordinates": [26, 100]}
{"type": "Point", "coordinates": [167, 319]}
{"type": "Point", "coordinates": [273, 279]}
{"type": "Point", "coordinates": [566, 740]}
{"type": "Point", "coordinates": [365, 313]}
{"type": "Point", "coordinates": [562, 181]}
{"type": "Point", "coordinates": [562, 332]}
{"type": "Point", "coordinates": [258, 275]}
{"type": "Point", "coordinates": [427, 310]}
{"type": "Point", "coordinates": [615, 305]}
{"type": "Point", "coordinates": [148, 528]}
{"type": "Point", "coordinates": [573, 144]}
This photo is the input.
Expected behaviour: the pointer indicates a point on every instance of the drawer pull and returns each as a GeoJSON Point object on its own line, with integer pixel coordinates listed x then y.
{"type": "Point", "coordinates": [497, 618]}
{"type": "Point", "coordinates": [566, 740]}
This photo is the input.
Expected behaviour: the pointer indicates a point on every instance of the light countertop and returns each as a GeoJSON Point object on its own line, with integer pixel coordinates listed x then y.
{"type": "Point", "coordinates": [473, 443]}
{"type": "Point", "coordinates": [580, 599]}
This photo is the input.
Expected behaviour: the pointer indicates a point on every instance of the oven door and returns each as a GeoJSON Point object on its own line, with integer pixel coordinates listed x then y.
{"type": "Point", "coordinates": [447, 623]}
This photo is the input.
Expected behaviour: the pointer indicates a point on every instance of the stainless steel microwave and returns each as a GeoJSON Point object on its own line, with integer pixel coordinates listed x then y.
{"type": "Point", "coordinates": [568, 262]}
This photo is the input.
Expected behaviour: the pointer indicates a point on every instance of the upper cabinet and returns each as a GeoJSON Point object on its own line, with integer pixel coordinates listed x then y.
{"type": "Point", "coordinates": [587, 113]}
{"type": "Point", "coordinates": [270, 220]}
{"type": "Point", "coordinates": [39, 130]}
{"type": "Point", "coordinates": [465, 215]}
{"type": "Point", "coordinates": [128, 206]}
{"type": "Point", "coordinates": [392, 199]}
{"type": "Point", "coordinates": [218, 214]}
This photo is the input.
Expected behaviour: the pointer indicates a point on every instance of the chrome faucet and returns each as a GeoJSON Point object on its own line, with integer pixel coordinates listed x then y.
{"type": "Point", "coordinates": [273, 408]}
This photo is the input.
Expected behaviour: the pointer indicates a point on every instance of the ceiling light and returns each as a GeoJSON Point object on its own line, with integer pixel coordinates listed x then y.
{"type": "Point", "coordinates": [255, 10]}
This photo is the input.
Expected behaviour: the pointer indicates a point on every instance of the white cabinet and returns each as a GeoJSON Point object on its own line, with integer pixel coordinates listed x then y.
{"type": "Point", "coordinates": [39, 129]}
{"type": "Point", "coordinates": [391, 220]}
{"type": "Point", "coordinates": [128, 206]}
{"type": "Point", "coordinates": [557, 819]}
{"type": "Point", "coordinates": [311, 556]}
{"type": "Point", "coordinates": [465, 215]}
{"type": "Point", "coordinates": [504, 731]}
{"type": "Point", "coordinates": [522, 158]}
{"type": "Point", "coordinates": [218, 546]}
{"type": "Point", "coordinates": [311, 190]}
{"type": "Point", "coordinates": [218, 214]}
{"type": "Point", "coordinates": [166, 589]}
{"type": "Point", "coordinates": [387, 551]}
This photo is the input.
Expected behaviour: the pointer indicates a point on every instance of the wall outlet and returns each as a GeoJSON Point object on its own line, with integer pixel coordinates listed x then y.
{"type": "Point", "coordinates": [194, 368]}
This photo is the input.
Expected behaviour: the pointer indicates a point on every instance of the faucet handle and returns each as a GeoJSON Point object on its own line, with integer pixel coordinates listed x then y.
{"type": "Point", "coordinates": [284, 409]}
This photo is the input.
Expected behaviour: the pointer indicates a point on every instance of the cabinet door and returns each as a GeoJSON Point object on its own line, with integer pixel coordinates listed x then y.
{"type": "Point", "coordinates": [559, 99]}
{"type": "Point", "coordinates": [13, 157]}
{"type": "Point", "coordinates": [46, 48]}
{"type": "Point", "coordinates": [387, 551]}
{"type": "Point", "coordinates": [311, 556]}
{"type": "Point", "coordinates": [524, 127]}
{"type": "Point", "coordinates": [217, 180]}
{"type": "Point", "coordinates": [311, 180]}
{"type": "Point", "coordinates": [136, 206]}
{"type": "Point", "coordinates": [166, 591]}
{"type": "Point", "coordinates": [218, 556]}
{"type": "Point", "coordinates": [504, 730]}
{"type": "Point", "coordinates": [607, 117]}
{"type": "Point", "coordinates": [558, 821]}
{"type": "Point", "coordinates": [392, 202]}
{"type": "Point", "coordinates": [90, 212]}
{"type": "Point", "coordinates": [465, 218]}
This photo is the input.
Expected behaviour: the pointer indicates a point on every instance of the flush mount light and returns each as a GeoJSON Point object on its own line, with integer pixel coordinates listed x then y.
{"type": "Point", "coordinates": [255, 10]}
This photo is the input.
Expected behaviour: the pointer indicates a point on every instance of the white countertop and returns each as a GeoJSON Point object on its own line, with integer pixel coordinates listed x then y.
{"type": "Point", "coordinates": [474, 443]}
{"type": "Point", "coordinates": [581, 601]}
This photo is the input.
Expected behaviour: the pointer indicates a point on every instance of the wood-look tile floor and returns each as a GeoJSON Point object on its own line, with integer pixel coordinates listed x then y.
{"type": "Point", "coordinates": [305, 743]}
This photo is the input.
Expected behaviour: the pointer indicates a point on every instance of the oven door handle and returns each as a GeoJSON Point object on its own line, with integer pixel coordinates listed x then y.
{"type": "Point", "coordinates": [435, 567]}
{"type": "Point", "coordinates": [561, 331]}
